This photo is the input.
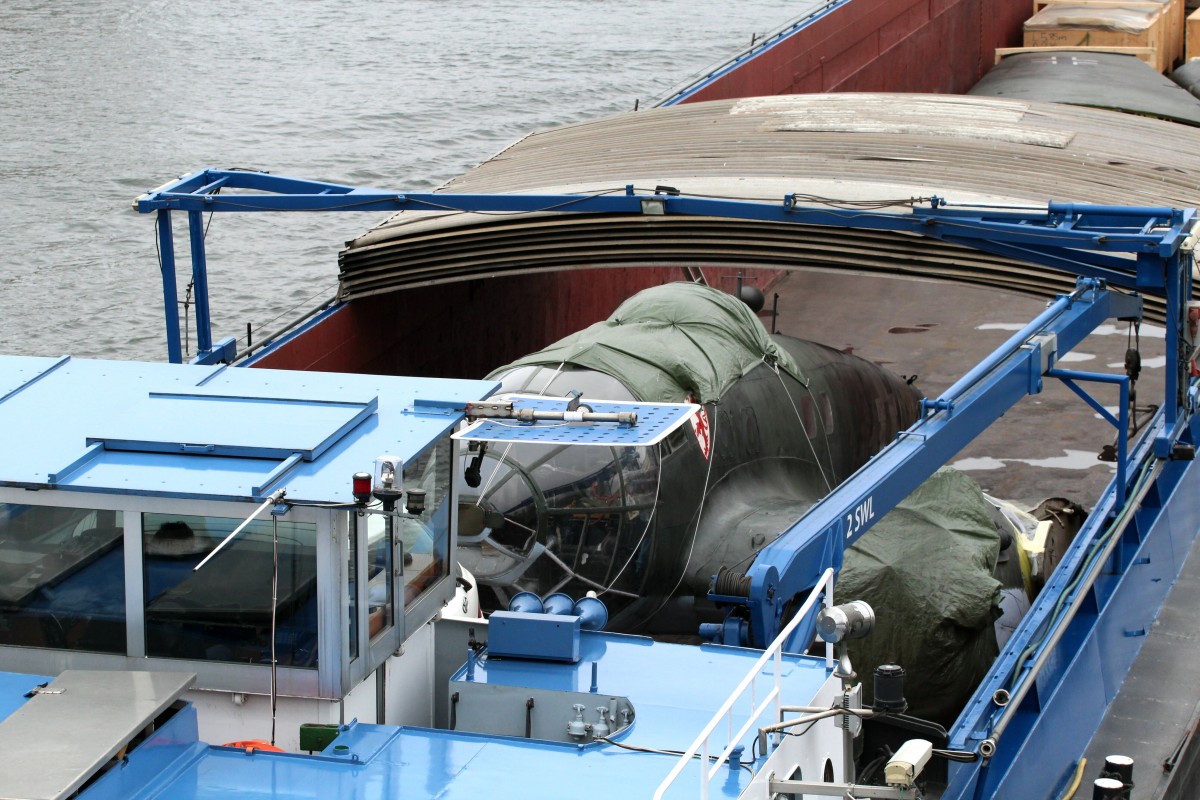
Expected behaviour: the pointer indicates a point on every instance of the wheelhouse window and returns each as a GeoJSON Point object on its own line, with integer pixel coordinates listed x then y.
{"type": "Point", "coordinates": [426, 534]}
{"type": "Point", "coordinates": [380, 568]}
{"type": "Point", "coordinates": [62, 578]}
{"type": "Point", "coordinates": [222, 612]}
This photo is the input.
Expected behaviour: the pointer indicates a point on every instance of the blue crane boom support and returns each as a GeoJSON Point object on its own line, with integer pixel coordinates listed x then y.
{"type": "Point", "coordinates": [1108, 247]}
{"type": "Point", "coordinates": [1081, 240]}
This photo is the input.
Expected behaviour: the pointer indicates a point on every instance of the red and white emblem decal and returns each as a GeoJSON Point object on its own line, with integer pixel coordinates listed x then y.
{"type": "Point", "coordinates": [700, 427]}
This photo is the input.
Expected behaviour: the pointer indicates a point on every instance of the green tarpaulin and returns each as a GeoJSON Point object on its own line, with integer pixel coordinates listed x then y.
{"type": "Point", "coordinates": [670, 341]}
{"type": "Point", "coordinates": [926, 570]}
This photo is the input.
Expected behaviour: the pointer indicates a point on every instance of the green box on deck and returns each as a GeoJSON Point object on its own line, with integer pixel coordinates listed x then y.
{"type": "Point", "coordinates": [315, 737]}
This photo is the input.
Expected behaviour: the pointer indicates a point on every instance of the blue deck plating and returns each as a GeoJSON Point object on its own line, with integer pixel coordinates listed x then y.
{"type": "Point", "coordinates": [13, 691]}
{"type": "Point", "coordinates": [371, 761]}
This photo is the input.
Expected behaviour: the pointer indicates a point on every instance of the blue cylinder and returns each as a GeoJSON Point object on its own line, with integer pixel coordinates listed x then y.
{"type": "Point", "coordinates": [592, 612]}
{"type": "Point", "coordinates": [559, 603]}
{"type": "Point", "coordinates": [526, 603]}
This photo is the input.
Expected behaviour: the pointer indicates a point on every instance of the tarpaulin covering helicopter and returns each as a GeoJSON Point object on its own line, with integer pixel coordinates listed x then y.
{"type": "Point", "coordinates": [782, 422]}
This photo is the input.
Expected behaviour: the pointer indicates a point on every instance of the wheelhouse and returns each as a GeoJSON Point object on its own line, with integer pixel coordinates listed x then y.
{"type": "Point", "coordinates": [151, 513]}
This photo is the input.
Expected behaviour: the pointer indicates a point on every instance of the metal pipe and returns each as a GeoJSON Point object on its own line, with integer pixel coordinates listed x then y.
{"type": "Point", "coordinates": [801, 788]}
{"type": "Point", "coordinates": [533, 415]}
{"type": "Point", "coordinates": [864, 713]}
{"type": "Point", "coordinates": [813, 709]}
{"type": "Point", "coordinates": [1076, 209]}
{"type": "Point", "coordinates": [274, 622]}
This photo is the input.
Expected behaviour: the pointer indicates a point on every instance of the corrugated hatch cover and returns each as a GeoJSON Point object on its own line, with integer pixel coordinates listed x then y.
{"type": "Point", "coordinates": [887, 147]}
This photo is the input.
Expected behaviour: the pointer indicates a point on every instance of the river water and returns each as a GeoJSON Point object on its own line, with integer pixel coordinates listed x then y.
{"type": "Point", "coordinates": [101, 100]}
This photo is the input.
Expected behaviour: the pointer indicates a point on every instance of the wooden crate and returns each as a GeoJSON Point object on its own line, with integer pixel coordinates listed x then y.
{"type": "Point", "coordinates": [1193, 36]}
{"type": "Point", "coordinates": [1174, 13]}
{"type": "Point", "coordinates": [1177, 14]}
{"type": "Point", "coordinates": [1103, 25]}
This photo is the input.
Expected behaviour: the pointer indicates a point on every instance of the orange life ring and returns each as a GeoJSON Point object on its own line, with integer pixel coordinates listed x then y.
{"type": "Point", "coordinates": [250, 745]}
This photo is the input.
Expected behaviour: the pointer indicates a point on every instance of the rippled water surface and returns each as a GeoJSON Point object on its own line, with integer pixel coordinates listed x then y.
{"type": "Point", "coordinates": [104, 99]}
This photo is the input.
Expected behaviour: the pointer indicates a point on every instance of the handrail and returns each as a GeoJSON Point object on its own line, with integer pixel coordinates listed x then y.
{"type": "Point", "coordinates": [773, 652]}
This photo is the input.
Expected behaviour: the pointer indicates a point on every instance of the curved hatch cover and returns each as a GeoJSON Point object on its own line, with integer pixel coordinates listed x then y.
{"type": "Point", "coordinates": [1100, 80]}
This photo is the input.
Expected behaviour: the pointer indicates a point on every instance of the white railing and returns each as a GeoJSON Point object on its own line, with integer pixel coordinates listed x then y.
{"type": "Point", "coordinates": [773, 701]}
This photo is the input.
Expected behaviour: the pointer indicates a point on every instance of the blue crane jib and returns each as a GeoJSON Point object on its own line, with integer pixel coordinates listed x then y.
{"type": "Point", "coordinates": [1118, 253]}
{"type": "Point", "coordinates": [1091, 241]}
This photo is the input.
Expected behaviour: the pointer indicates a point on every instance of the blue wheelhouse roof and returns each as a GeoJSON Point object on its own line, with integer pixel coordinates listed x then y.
{"type": "Point", "coordinates": [211, 432]}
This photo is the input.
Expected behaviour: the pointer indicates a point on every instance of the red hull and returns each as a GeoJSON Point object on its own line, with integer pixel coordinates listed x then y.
{"type": "Point", "coordinates": [482, 324]}
{"type": "Point", "coordinates": [941, 46]}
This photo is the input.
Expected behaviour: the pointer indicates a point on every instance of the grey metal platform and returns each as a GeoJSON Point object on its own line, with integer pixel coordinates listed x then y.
{"type": "Point", "coordinates": [50, 746]}
{"type": "Point", "coordinates": [1154, 716]}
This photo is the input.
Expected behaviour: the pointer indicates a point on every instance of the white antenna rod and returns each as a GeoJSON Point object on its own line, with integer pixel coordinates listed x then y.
{"type": "Point", "coordinates": [273, 500]}
{"type": "Point", "coordinates": [274, 608]}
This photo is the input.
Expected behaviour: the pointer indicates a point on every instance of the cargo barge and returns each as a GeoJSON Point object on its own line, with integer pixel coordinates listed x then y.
{"type": "Point", "coordinates": [811, 192]}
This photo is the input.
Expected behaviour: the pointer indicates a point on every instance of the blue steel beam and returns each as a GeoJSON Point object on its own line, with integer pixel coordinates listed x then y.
{"type": "Point", "coordinates": [200, 283]}
{"type": "Point", "coordinates": [1076, 239]}
{"type": "Point", "coordinates": [166, 265]}
{"type": "Point", "coordinates": [1118, 229]}
{"type": "Point", "coordinates": [790, 565]}
{"type": "Point", "coordinates": [1120, 422]}
{"type": "Point", "coordinates": [1113, 269]}
{"type": "Point", "coordinates": [1177, 275]}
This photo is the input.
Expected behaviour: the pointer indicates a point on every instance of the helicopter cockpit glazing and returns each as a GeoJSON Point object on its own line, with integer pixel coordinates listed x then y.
{"type": "Point", "coordinates": [548, 518]}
